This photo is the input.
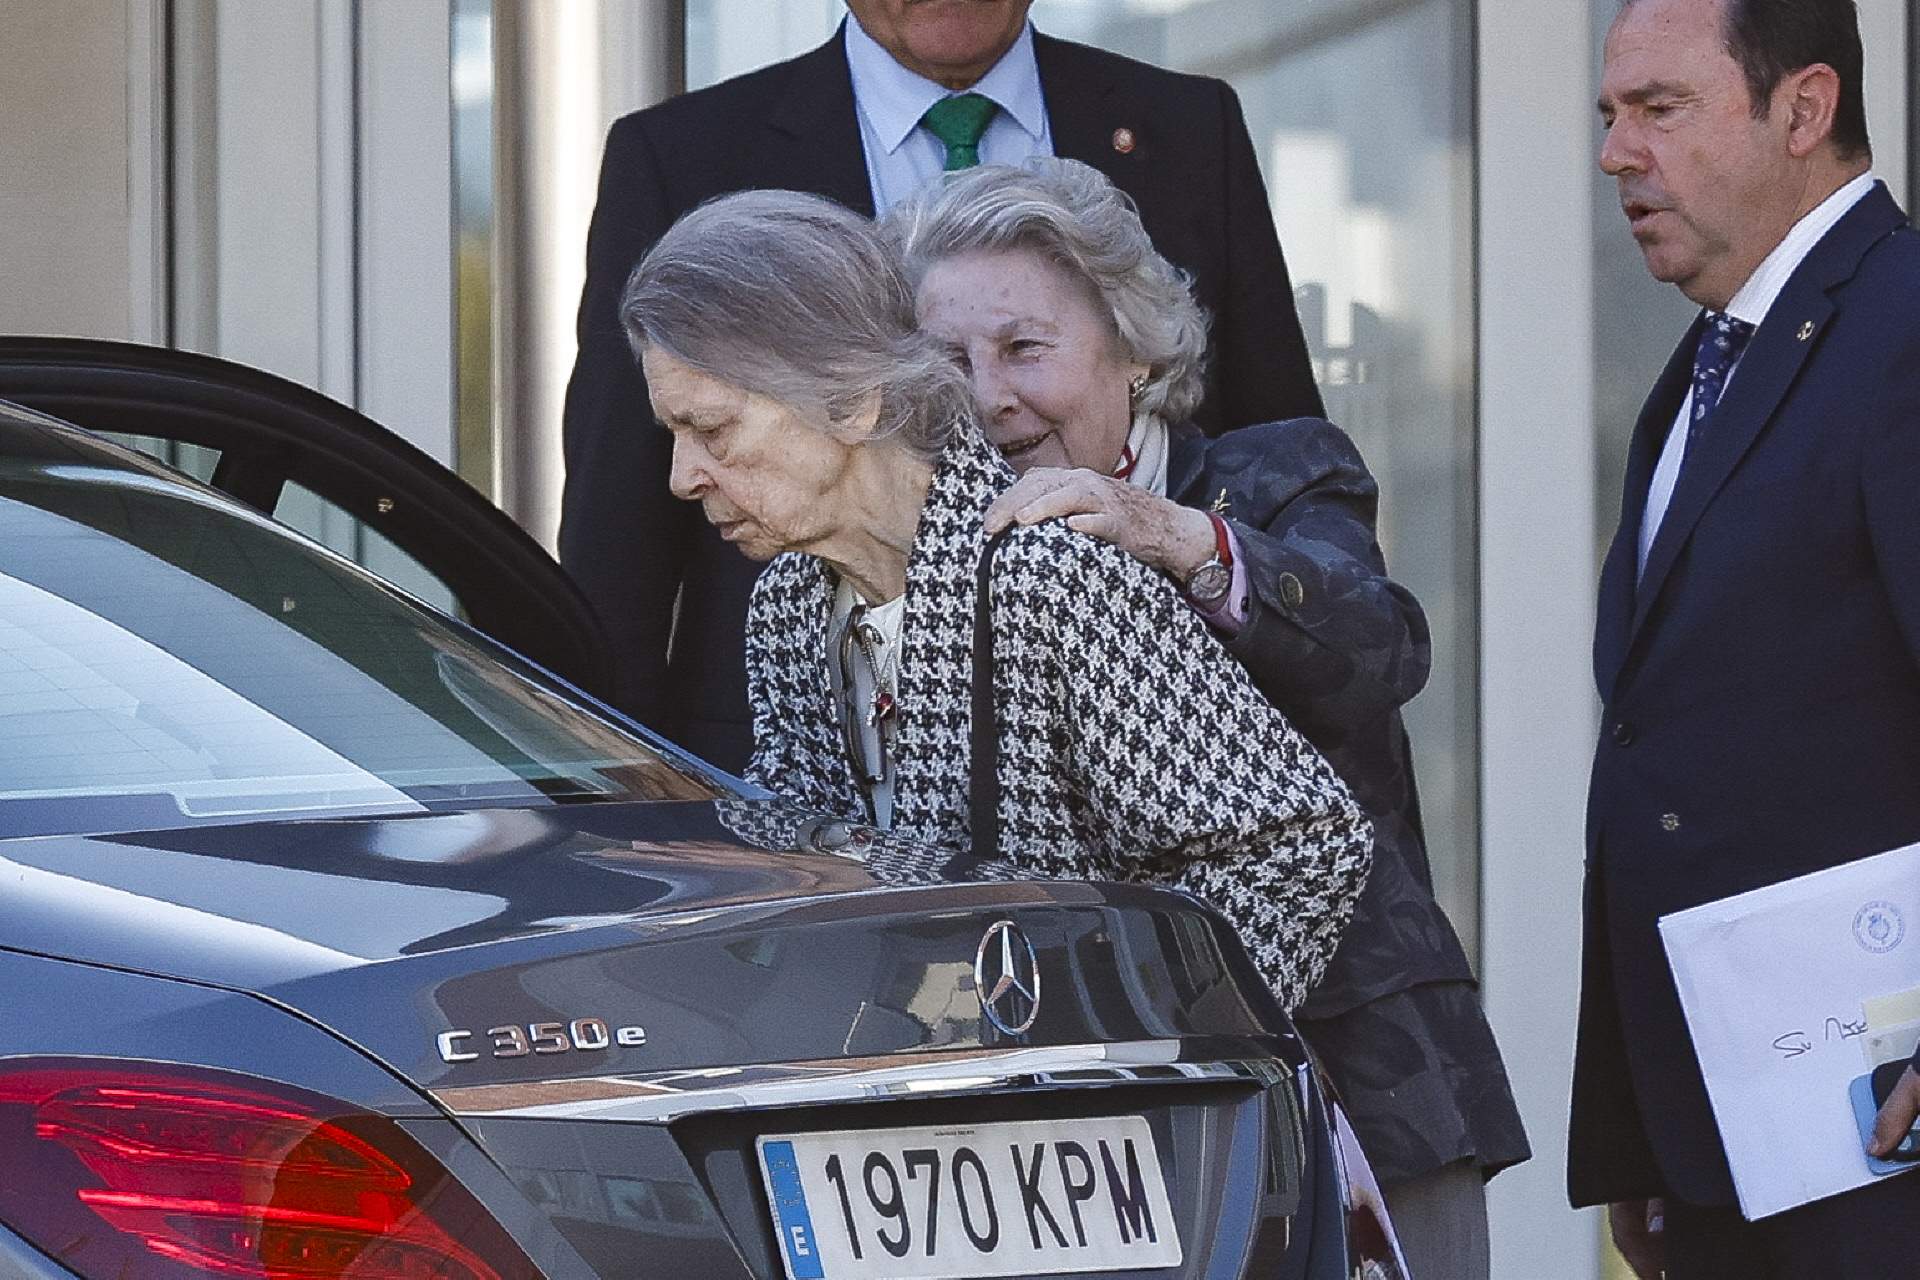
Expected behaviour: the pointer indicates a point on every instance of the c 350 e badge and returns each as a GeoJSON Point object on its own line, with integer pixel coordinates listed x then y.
{"type": "Point", "coordinates": [583, 1035]}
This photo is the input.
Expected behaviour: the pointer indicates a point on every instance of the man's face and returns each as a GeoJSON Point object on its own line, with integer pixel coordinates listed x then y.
{"type": "Point", "coordinates": [1708, 189]}
{"type": "Point", "coordinates": [952, 42]}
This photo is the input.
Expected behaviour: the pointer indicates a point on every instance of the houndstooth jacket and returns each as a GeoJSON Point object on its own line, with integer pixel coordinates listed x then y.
{"type": "Point", "coordinates": [1132, 746]}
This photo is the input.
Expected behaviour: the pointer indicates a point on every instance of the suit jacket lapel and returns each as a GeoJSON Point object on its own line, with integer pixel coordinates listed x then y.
{"type": "Point", "coordinates": [812, 141]}
{"type": "Point", "coordinates": [1082, 114]}
{"type": "Point", "coordinates": [1614, 617]}
{"type": "Point", "coordinates": [1767, 370]}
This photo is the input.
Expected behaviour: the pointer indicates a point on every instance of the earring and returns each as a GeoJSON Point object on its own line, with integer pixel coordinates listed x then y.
{"type": "Point", "coordinates": [1135, 387]}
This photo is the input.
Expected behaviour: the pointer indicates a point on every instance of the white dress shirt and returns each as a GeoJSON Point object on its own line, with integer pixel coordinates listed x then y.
{"type": "Point", "coordinates": [889, 99]}
{"type": "Point", "coordinates": [1751, 304]}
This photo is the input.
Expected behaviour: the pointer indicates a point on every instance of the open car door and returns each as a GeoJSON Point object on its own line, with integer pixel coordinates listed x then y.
{"type": "Point", "coordinates": [276, 446]}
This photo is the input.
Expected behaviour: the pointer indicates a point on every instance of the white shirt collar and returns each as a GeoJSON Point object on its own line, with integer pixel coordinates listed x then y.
{"type": "Point", "coordinates": [893, 98]}
{"type": "Point", "coordinates": [1757, 295]}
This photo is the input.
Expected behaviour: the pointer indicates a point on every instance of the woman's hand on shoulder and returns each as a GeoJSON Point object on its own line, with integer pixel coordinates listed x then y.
{"type": "Point", "coordinates": [1151, 529]}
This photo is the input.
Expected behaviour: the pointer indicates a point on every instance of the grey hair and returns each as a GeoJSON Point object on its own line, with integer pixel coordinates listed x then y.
{"type": "Point", "coordinates": [796, 298]}
{"type": "Point", "coordinates": [1070, 214]}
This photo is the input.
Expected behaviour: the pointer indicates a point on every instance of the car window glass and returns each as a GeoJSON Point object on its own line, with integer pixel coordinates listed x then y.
{"type": "Point", "coordinates": [330, 525]}
{"type": "Point", "coordinates": [89, 708]}
{"type": "Point", "coordinates": [238, 661]}
{"type": "Point", "coordinates": [196, 460]}
{"type": "Point", "coordinates": [325, 522]}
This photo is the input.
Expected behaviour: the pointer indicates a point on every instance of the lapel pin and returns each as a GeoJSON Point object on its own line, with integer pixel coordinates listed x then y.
{"type": "Point", "coordinates": [1123, 140]}
{"type": "Point", "coordinates": [1806, 330]}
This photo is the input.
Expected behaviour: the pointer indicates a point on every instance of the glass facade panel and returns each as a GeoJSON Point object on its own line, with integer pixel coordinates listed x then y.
{"type": "Point", "coordinates": [1361, 113]}
{"type": "Point", "coordinates": [728, 37]}
{"type": "Point", "coordinates": [473, 242]}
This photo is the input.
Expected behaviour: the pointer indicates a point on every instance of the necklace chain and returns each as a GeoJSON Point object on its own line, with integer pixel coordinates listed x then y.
{"type": "Point", "coordinates": [866, 634]}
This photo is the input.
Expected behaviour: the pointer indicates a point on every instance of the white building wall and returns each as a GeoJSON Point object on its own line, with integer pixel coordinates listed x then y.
{"type": "Point", "coordinates": [296, 216]}
{"type": "Point", "coordinates": [1884, 32]}
{"type": "Point", "coordinates": [312, 204]}
{"type": "Point", "coordinates": [1537, 582]}
{"type": "Point", "coordinates": [67, 213]}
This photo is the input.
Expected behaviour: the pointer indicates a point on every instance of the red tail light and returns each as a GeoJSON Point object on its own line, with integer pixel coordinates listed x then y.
{"type": "Point", "coordinates": [128, 1169]}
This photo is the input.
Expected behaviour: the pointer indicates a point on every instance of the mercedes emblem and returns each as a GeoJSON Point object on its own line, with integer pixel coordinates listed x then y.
{"type": "Point", "coordinates": [1006, 973]}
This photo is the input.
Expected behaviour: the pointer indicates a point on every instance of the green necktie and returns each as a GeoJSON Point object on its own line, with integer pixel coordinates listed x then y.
{"type": "Point", "coordinates": [959, 121]}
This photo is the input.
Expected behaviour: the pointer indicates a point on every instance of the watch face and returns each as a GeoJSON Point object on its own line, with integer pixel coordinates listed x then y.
{"type": "Point", "coordinates": [1209, 582]}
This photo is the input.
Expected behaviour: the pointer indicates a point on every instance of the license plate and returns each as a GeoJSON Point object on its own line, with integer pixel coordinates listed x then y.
{"type": "Point", "coordinates": [1018, 1198]}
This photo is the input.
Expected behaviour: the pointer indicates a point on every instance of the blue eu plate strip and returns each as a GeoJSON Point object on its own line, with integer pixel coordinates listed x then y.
{"type": "Point", "coordinates": [790, 1207]}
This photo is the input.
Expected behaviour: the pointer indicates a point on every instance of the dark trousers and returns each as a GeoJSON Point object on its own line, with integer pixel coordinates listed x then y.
{"type": "Point", "coordinates": [1872, 1233]}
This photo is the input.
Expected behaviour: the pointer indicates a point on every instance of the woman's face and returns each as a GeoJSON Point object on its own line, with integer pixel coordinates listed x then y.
{"type": "Point", "coordinates": [1040, 350]}
{"type": "Point", "coordinates": [764, 477]}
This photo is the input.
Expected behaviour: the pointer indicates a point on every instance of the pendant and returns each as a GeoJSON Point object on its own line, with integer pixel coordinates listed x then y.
{"type": "Point", "coordinates": [883, 709]}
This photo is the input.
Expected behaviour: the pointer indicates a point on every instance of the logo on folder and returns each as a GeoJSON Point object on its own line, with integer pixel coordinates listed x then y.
{"type": "Point", "coordinates": [1879, 927]}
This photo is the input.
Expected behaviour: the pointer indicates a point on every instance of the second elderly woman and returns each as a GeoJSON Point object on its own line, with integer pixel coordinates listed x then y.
{"type": "Point", "coordinates": [815, 423]}
{"type": "Point", "coordinates": [1084, 349]}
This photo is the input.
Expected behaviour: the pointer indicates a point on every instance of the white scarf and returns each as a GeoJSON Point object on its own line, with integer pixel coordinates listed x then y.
{"type": "Point", "coordinates": [1148, 444]}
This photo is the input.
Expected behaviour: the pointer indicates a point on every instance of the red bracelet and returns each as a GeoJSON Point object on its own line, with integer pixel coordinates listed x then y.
{"type": "Point", "coordinates": [1222, 540]}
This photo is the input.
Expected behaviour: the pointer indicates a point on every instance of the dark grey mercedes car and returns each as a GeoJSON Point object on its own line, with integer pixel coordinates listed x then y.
{"type": "Point", "coordinates": [338, 939]}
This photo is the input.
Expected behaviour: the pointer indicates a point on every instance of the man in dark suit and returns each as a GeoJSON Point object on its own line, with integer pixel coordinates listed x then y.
{"type": "Point", "coordinates": [845, 121]}
{"type": "Point", "coordinates": [1758, 646]}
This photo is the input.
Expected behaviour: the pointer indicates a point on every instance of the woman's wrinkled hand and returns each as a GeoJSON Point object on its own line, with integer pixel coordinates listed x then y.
{"type": "Point", "coordinates": [1151, 529]}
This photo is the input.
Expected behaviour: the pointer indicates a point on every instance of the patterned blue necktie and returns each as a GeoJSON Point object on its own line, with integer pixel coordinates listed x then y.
{"type": "Point", "coordinates": [1722, 340]}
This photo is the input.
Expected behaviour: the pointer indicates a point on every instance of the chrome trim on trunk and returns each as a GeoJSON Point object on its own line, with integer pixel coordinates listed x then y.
{"type": "Point", "coordinates": [658, 1098]}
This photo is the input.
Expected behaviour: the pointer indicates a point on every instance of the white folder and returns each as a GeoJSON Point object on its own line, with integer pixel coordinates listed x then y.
{"type": "Point", "coordinates": [1791, 992]}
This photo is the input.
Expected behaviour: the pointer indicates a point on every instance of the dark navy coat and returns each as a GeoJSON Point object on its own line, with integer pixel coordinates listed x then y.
{"type": "Point", "coordinates": [1761, 682]}
{"type": "Point", "coordinates": [670, 593]}
{"type": "Point", "coordinates": [1339, 646]}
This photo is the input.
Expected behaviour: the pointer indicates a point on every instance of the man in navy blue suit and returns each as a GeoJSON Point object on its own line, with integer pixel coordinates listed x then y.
{"type": "Point", "coordinates": [1758, 644]}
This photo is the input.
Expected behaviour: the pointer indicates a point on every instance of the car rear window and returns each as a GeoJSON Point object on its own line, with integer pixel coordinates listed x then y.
{"type": "Point", "coordinates": [169, 658]}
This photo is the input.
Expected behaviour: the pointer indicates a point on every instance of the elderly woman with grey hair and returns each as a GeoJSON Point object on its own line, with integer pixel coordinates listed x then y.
{"type": "Point", "coordinates": [1084, 350]}
{"type": "Point", "coordinates": [820, 429]}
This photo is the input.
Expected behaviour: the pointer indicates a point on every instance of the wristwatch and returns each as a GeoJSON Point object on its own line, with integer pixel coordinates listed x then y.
{"type": "Point", "coordinates": [1207, 585]}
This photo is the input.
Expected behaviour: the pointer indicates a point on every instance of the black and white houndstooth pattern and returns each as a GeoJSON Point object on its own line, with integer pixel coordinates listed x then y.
{"type": "Point", "coordinates": [1132, 746]}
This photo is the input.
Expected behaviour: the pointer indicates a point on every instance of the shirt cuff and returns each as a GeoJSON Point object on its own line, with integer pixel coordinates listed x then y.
{"type": "Point", "coordinates": [1229, 613]}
